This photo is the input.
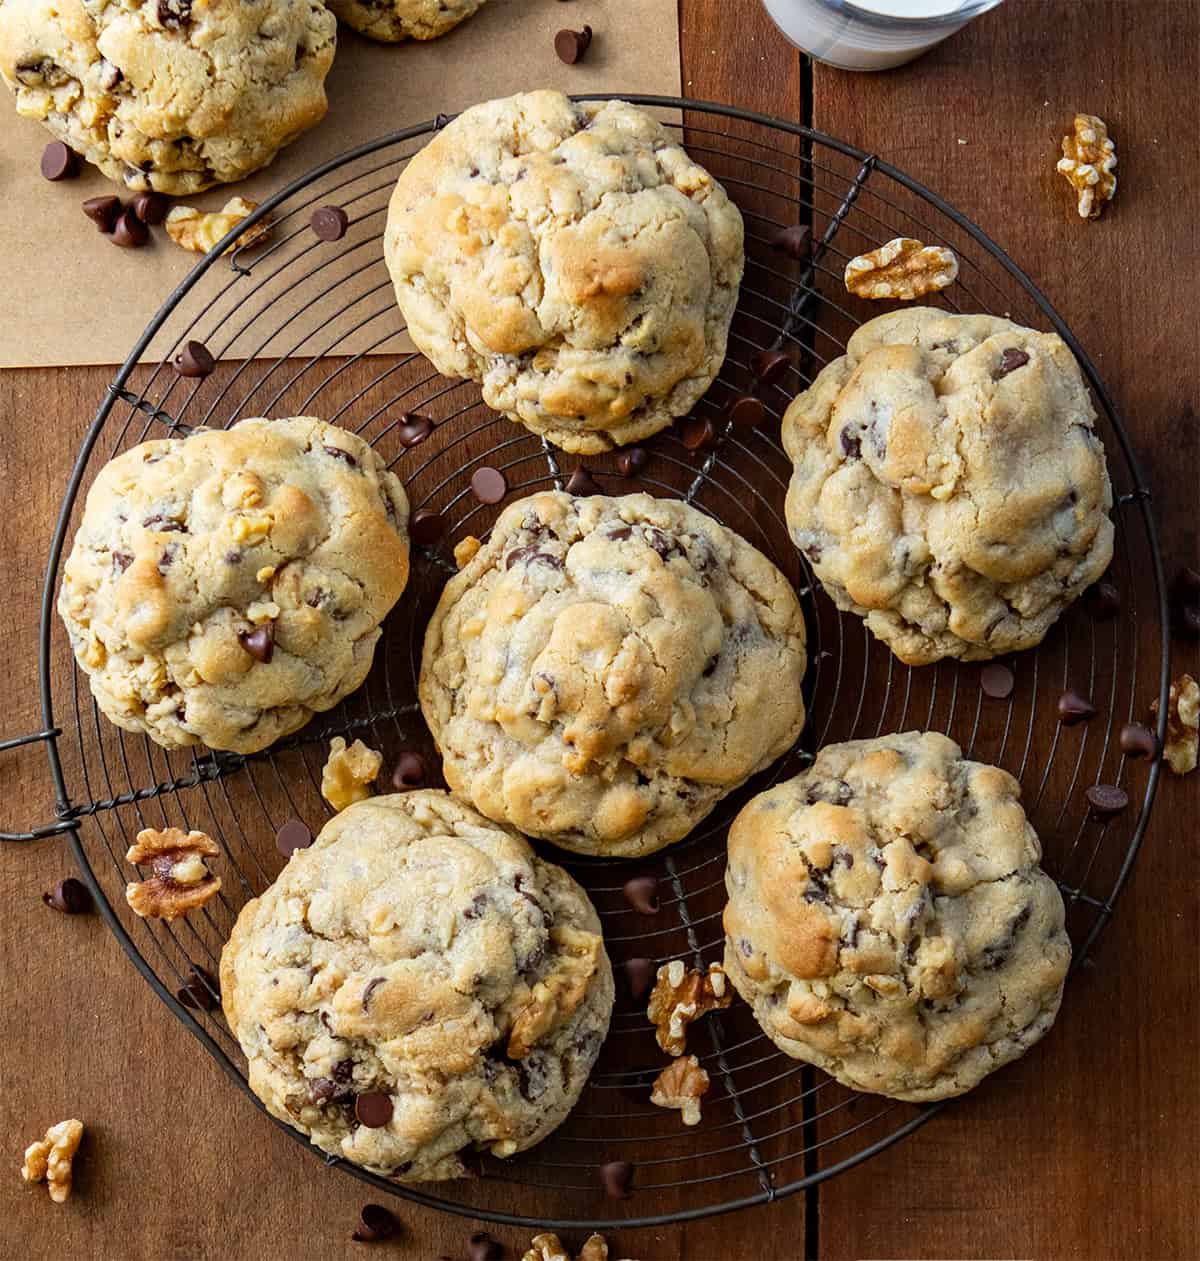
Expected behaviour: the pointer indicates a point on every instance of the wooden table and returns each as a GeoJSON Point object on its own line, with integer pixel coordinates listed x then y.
{"type": "Point", "coordinates": [1094, 1159]}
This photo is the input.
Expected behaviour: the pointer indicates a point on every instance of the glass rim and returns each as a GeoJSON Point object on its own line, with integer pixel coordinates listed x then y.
{"type": "Point", "coordinates": [968, 10]}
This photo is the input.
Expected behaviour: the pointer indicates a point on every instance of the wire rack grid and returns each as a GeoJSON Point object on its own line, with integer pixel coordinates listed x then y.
{"type": "Point", "coordinates": [304, 326]}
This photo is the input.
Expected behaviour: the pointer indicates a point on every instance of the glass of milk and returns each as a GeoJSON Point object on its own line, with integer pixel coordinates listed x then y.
{"type": "Point", "coordinates": [871, 34]}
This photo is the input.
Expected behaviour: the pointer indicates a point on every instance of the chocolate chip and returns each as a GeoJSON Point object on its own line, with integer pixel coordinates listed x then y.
{"type": "Point", "coordinates": [641, 892]}
{"type": "Point", "coordinates": [482, 1247]}
{"type": "Point", "coordinates": [150, 207]}
{"type": "Point", "coordinates": [59, 162]}
{"type": "Point", "coordinates": [409, 772]}
{"type": "Point", "coordinates": [571, 45]}
{"type": "Point", "coordinates": [371, 986]}
{"type": "Point", "coordinates": [640, 975]}
{"type": "Point", "coordinates": [200, 990]}
{"type": "Point", "coordinates": [1073, 708]}
{"type": "Point", "coordinates": [617, 1177]}
{"type": "Point", "coordinates": [581, 482]}
{"type": "Point", "coordinates": [426, 526]}
{"type": "Point", "coordinates": [488, 485]}
{"type": "Point", "coordinates": [698, 434]}
{"type": "Point", "coordinates": [374, 1223]}
{"type": "Point", "coordinates": [795, 242]}
{"type": "Point", "coordinates": [413, 429]}
{"type": "Point", "coordinates": [194, 360]}
{"type": "Point", "coordinates": [769, 365]}
{"type": "Point", "coordinates": [340, 453]}
{"type": "Point", "coordinates": [1138, 741]}
{"type": "Point", "coordinates": [373, 1109]}
{"type": "Point", "coordinates": [1010, 361]}
{"type": "Point", "coordinates": [1103, 600]}
{"type": "Point", "coordinates": [103, 211]}
{"type": "Point", "coordinates": [293, 835]}
{"type": "Point", "coordinates": [329, 222]}
{"type": "Point", "coordinates": [260, 642]}
{"type": "Point", "coordinates": [129, 231]}
{"type": "Point", "coordinates": [996, 681]}
{"type": "Point", "coordinates": [851, 444]}
{"type": "Point", "coordinates": [1106, 799]}
{"type": "Point", "coordinates": [632, 461]}
{"type": "Point", "coordinates": [748, 411]}
{"type": "Point", "coordinates": [174, 13]}
{"type": "Point", "coordinates": [71, 897]}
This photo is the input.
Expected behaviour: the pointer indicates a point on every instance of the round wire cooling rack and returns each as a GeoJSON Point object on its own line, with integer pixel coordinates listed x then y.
{"type": "Point", "coordinates": [300, 325]}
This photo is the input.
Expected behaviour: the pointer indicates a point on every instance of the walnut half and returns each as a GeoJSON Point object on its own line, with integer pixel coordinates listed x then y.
{"type": "Point", "coordinates": [1088, 162]}
{"type": "Point", "coordinates": [197, 231]}
{"type": "Point", "coordinates": [682, 1084]}
{"type": "Point", "coordinates": [548, 1247]}
{"type": "Point", "coordinates": [51, 1159]}
{"type": "Point", "coordinates": [681, 996]}
{"type": "Point", "coordinates": [180, 881]}
{"type": "Point", "coordinates": [1182, 744]}
{"type": "Point", "coordinates": [903, 268]}
{"type": "Point", "coordinates": [349, 773]}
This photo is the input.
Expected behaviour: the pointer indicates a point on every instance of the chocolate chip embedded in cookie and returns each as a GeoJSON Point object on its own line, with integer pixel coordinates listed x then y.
{"type": "Point", "coordinates": [393, 21]}
{"type": "Point", "coordinates": [888, 920]}
{"type": "Point", "coordinates": [604, 670]}
{"type": "Point", "coordinates": [418, 985]}
{"type": "Point", "coordinates": [167, 94]}
{"type": "Point", "coordinates": [573, 259]}
{"type": "Point", "coordinates": [948, 484]}
{"type": "Point", "coordinates": [225, 587]}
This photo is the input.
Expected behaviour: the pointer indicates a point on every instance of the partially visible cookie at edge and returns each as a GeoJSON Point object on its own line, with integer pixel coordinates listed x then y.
{"type": "Point", "coordinates": [888, 920]}
{"type": "Point", "coordinates": [393, 21]}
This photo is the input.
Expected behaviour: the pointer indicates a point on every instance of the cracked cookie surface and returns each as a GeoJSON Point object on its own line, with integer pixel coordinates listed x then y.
{"type": "Point", "coordinates": [572, 259]}
{"type": "Point", "coordinates": [420, 953]}
{"type": "Point", "coordinates": [395, 20]}
{"type": "Point", "coordinates": [605, 670]}
{"type": "Point", "coordinates": [172, 95]}
{"type": "Point", "coordinates": [223, 588]}
{"type": "Point", "coordinates": [948, 484]}
{"type": "Point", "coordinates": [888, 920]}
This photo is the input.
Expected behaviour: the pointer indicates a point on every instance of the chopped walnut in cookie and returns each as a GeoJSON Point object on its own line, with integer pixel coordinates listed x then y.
{"type": "Point", "coordinates": [1182, 743]}
{"type": "Point", "coordinates": [682, 1084]}
{"type": "Point", "coordinates": [1088, 162]}
{"type": "Point", "coordinates": [551, 1002]}
{"type": "Point", "coordinates": [349, 773]}
{"type": "Point", "coordinates": [904, 268]}
{"type": "Point", "coordinates": [180, 881]}
{"type": "Point", "coordinates": [548, 1247]}
{"type": "Point", "coordinates": [197, 231]}
{"type": "Point", "coordinates": [50, 1159]}
{"type": "Point", "coordinates": [465, 551]}
{"type": "Point", "coordinates": [681, 996]}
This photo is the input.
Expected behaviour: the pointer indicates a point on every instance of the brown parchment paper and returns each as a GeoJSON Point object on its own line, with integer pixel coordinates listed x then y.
{"type": "Point", "coordinates": [71, 297]}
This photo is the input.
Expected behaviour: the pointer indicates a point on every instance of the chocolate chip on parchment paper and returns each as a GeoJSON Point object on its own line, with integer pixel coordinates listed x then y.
{"type": "Point", "coordinates": [129, 232]}
{"type": "Point", "coordinates": [329, 222]}
{"type": "Point", "coordinates": [150, 207]}
{"type": "Point", "coordinates": [103, 211]}
{"type": "Point", "coordinates": [194, 360]}
{"type": "Point", "coordinates": [571, 45]}
{"type": "Point", "coordinates": [59, 162]}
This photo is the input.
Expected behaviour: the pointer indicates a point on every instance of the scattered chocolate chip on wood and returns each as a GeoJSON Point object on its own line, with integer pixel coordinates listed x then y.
{"type": "Point", "coordinates": [1138, 741]}
{"type": "Point", "coordinates": [329, 222]}
{"type": "Point", "coordinates": [150, 207]}
{"type": "Point", "coordinates": [426, 526]}
{"type": "Point", "coordinates": [200, 990]}
{"type": "Point", "coordinates": [259, 642]}
{"type": "Point", "coordinates": [409, 771]}
{"type": "Point", "coordinates": [769, 365]}
{"type": "Point", "coordinates": [616, 1176]}
{"type": "Point", "coordinates": [70, 896]}
{"type": "Point", "coordinates": [482, 1247]}
{"type": "Point", "coordinates": [59, 162]}
{"type": "Point", "coordinates": [640, 975]}
{"type": "Point", "coordinates": [1103, 600]}
{"type": "Point", "coordinates": [1106, 799]}
{"type": "Point", "coordinates": [129, 232]}
{"type": "Point", "coordinates": [194, 360]}
{"type": "Point", "coordinates": [103, 211]}
{"type": "Point", "coordinates": [698, 434]}
{"type": "Point", "coordinates": [571, 45]}
{"type": "Point", "coordinates": [413, 429]}
{"type": "Point", "coordinates": [794, 241]}
{"type": "Point", "coordinates": [293, 835]}
{"type": "Point", "coordinates": [1073, 708]}
{"type": "Point", "coordinates": [997, 681]}
{"type": "Point", "coordinates": [747, 412]}
{"type": "Point", "coordinates": [488, 485]}
{"type": "Point", "coordinates": [581, 482]}
{"type": "Point", "coordinates": [632, 460]}
{"type": "Point", "coordinates": [1185, 602]}
{"type": "Point", "coordinates": [373, 1109]}
{"type": "Point", "coordinates": [641, 892]}
{"type": "Point", "coordinates": [374, 1223]}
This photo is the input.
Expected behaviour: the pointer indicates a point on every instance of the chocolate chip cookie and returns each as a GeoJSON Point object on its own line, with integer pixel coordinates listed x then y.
{"type": "Point", "coordinates": [949, 485]}
{"type": "Point", "coordinates": [172, 95]}
{"type": "Point", "coordinates": [223, 588]}
{"type": "Point", "coordinates": [573, 259]}
{"type": "Point", "coordinates": [392, 21]}
{"type": "Point", "coordinates": [418, 984]}
{"type": "Point", "coordinates": [604, 670]}
{"type": "Point", "coordinates": [888, 920]}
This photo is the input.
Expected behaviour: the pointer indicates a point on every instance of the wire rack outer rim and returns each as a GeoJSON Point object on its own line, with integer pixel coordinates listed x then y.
{"type": "Point", "coordinates": [69, 823]}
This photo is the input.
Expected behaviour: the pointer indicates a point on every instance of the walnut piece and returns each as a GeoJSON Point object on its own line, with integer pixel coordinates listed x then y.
{"type": "Point", "coordinates": [466, 550]}
{"type": "Point", "coordinates": [180, 881]}
{"type": "Point", "coordinates": [50, 1160]}
{"type": "Point", "coordinates": [197, 231]}
{"type": "Point", "coordinates": [552, 1001]}
{"type": "Point", "coordinates": [349, 772]}
{"type": "Point", "coordinates": [903, 268]}
{"type": "Point", "coordinates": [1088, 162]}
{"type": "Point", "coordinates": [681, 996]}
{"type": "Point", "coordinates": [1182, 744]}
{"type": "Point", "coordinates": [548, 1247]}
{"type": "Point", "coordinates": [682, 1084]}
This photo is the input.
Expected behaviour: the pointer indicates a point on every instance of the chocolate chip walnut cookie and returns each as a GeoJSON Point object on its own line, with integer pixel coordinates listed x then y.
{"type": "Point", "coordinates": [395, 20]}
{"type": "Point", "coordinates": [418, 984]}
{"type": "Point", "coordinates": [888, 920]}
{"type": "Point", "coordinates": [172, 95]}
{"type": "Point", "coordinates": [571, 258]}
{"type": "Point", "coordinates": [604, 670]}
{"type": "Point", "coordinates": [224, 587]}
{"type": "Point", "coordinates": [948, 483]}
